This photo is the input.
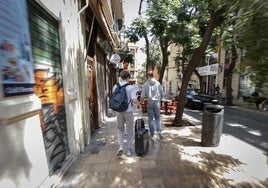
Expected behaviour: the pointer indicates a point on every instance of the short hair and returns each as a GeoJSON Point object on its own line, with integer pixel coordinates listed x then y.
{"type": "Point", "coordinates": [150, 73]}
{"type": "Point", "coordinates": [124, 74]}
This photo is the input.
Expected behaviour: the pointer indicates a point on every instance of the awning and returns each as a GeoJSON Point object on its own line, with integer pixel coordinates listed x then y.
{"type": "Point", "coordinates": [104, 18]}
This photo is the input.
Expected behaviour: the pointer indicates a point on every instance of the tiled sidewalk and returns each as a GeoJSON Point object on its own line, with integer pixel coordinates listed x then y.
{"type": "Point", "coordinates": [177, 161]}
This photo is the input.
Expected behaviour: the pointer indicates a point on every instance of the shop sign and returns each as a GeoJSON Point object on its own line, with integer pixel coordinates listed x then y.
{"type": "Point", "coordinates": [208, 70]}
{"type": "Point", "coordinates": [15, 49]}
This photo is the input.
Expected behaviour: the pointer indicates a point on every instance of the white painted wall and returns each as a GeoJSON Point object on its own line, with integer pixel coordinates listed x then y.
{"type": "Point", "coordinates": [22, 158]}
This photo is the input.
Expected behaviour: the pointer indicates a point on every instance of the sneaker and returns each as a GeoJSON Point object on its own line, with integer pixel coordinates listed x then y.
{"type": "Point", "coordinates": [129, 153]}
{"type": "Point", "coordinates": [160, 136]}
{"type": "Point", "coordinates": [153, 138]}
{"type": "Point", "coordinates": [120, 152]}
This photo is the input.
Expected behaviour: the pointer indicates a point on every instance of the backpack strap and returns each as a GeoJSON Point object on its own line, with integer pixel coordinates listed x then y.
{"type": "Point", "coordinates": [125, 85]}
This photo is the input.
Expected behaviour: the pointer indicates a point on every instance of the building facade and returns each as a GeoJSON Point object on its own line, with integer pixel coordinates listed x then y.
{"type": "Point", "coordinates": [55, 72]}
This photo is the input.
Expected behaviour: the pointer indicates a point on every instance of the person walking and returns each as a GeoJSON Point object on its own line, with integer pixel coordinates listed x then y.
{"type": "Point", "coordinates": [126, 117]}
{"type": "Point", "coordinates": [152, 91]}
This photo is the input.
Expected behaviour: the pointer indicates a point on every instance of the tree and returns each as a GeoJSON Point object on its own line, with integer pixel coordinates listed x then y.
{"type": "Point", "coordinates": [138, 29]}
{"type": "Point", "coordinates": [168, 20]}
{"type": "Point", "coordinates": [252, 37]}
{"type": "Point", "coordinates": [253, 12]}
{"type": "Point", "coordinates": [164, 26]}
{"type": "Point", "coordinates": [215, 19]}
{"type": "Point", "coordinates": [155, 56]}
{"type": "Point", "coordinates": [245, 30]}
{"type": "Point", "coordinates": [230, 45]}
{"type": "Point", "coordinates": [126, 56]}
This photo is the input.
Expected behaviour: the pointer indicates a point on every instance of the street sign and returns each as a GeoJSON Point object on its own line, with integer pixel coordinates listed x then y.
{"type": "Point", "coordinates": [115, 58]}
{"type": "Point", "coordinates": [208, 70]}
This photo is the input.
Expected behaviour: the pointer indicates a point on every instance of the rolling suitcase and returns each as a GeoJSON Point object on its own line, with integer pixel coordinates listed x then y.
{"type": "Point", "coordinates": [141, 137]}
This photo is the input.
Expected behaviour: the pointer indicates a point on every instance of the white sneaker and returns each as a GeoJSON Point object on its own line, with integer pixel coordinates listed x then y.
{"type": "Point", "coordinates": [119, 152]}
{"type": "Point", "coordinates": [129, 153]}
{"type": "Point", "coordinates": [153, 138]}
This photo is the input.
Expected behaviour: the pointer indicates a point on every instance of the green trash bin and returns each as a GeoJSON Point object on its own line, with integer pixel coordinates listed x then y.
{"type": "Point", "coordinates": [212, 124]}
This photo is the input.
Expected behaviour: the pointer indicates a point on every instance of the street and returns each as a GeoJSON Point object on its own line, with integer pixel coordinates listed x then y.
{"type": "Point", "coordinates": [248, 125]}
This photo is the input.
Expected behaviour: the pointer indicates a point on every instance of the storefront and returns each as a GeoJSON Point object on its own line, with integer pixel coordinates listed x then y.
{"type": "Point", "coordinates": [22, 157]}
{"type": "Point", "coordinates": [209, 75]}
{"type": "Point", "coordinates": [49, 88]}
{"type": "Point", "coordinates": [41, 116]}
{"type": "Point", "coordinates": [45, 86]}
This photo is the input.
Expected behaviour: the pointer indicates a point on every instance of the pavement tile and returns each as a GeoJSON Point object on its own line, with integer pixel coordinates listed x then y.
{"type": "Point", "coordinates": [155, 182]}
{"type": "Point", "coordinates": [73, 179]}
{"type": "Point", "coordinates": [151, 173]}
{"type": "Point", "coordinates": [147, 164]}
{"type": "Point", "coordinates": [106, 154]}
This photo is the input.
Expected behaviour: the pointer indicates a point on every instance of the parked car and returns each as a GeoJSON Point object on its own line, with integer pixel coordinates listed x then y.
{"type": "Point", "coordinates": [195, 100]}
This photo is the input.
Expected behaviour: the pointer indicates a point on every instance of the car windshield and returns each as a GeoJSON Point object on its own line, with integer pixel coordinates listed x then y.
{"type": "Point", "coordinates": [192, 92]}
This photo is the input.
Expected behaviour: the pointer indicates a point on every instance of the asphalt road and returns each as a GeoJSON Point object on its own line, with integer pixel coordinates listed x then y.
{"type": "Point", "coordinates": [251, 126]}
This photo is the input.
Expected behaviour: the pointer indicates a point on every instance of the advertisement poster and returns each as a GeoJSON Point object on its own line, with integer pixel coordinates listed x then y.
{"type": "Point", "coordinates": [15, 49]}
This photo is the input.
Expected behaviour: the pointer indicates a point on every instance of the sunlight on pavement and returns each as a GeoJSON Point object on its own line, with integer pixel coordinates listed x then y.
{"type": "Point", "coordinates": [233, 159]}
{"type": "Point", "coordinates": [192, 119]}
{"type": "Point", "coordinates": [185, 132]}
{"type": "Point", "coordinates": [75, 180]}
{"type": "Point", "coordinates": [127, 160]}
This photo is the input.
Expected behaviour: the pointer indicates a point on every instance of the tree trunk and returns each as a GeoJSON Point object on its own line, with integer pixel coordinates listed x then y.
{"type": "Point", "coordinates": [229, 89]}
{"type": "Point", "coordinates": [164, 46]}
{"type": "Point", "coordinates": [140, 7]}
{"type": "Point", "coordinates": [198, 53]}
{"type": "Point", "coordinates": [147, 52]}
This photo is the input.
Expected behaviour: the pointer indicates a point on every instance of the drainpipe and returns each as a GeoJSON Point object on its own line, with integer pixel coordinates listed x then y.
{"type": "Point", "coordinates": [91, 28]}
{"type": "Point", "coordinates": [84, 8]}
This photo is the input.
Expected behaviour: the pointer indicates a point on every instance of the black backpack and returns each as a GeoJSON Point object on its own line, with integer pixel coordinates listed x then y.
{"type": "Point", "coordinates": [119, 101]}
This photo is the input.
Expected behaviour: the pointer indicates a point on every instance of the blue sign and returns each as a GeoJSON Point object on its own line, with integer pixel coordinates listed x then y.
{"type": "Point", "coordinates": [16, 64]}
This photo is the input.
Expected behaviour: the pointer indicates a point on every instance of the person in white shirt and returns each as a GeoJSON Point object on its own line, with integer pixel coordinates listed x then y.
{"type": "Point", "coordinates": [126, 117]}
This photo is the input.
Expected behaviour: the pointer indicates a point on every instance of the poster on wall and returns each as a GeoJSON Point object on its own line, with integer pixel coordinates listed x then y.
{"type": "Point", "coordinates": [15, 49]}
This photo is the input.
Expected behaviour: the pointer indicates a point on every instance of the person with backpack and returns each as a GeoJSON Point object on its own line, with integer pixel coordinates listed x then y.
{"type": "Point", "coordinates": [152, 90]}
{"type": "Point", "coordinates": [122, 100]}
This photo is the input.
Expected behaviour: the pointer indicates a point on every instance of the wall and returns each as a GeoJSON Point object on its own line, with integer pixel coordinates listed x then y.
{"type": "Point", "coordinates": [22, 158]}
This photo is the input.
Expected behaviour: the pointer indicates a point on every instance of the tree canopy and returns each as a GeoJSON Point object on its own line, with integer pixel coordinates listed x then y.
{"type": "Point", "coordinates": [193, 25]}
{"type": "Point", "coordinates": [252, 38]}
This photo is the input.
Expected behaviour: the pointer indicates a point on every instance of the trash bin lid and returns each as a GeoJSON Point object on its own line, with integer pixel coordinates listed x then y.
{"type": "Point", "coordinates": [214, 107]}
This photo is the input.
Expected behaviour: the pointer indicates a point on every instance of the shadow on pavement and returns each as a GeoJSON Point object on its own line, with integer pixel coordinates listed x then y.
{"type": "Point", "coordinates": [178, 160]}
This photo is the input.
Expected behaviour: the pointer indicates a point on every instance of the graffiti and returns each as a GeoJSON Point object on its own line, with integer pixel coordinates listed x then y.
{"type": "Point", "coordinates": [50, 90]}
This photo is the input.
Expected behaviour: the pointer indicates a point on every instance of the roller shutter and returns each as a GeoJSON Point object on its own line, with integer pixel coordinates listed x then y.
{"type": "Point", "coordinates": [49, 83]}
